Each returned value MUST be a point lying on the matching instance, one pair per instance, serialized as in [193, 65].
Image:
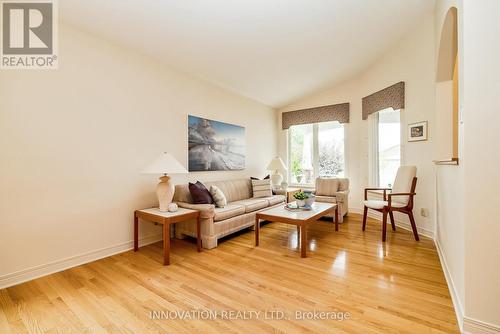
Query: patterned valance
[392, 96]
[334, 112]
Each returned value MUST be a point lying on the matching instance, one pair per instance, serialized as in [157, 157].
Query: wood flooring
[396, 287]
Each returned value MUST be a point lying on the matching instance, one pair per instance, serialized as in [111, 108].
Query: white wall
[450, 188]
[73, 142]
[412, 61]
[481, 147]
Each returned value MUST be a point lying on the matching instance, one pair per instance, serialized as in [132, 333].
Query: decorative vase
[309, 201]
[172, 207]
[301, 203]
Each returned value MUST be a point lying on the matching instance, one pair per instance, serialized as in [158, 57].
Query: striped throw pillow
[218, 196]
[261, 188]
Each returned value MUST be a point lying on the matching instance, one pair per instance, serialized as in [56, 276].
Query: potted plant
[301, 197]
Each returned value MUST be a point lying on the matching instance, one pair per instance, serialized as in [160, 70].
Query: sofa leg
[209, 242]
[179, 235]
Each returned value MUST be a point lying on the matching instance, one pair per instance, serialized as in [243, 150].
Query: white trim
[459, 310]
[473, 326]
[399, 223]
[72, 261]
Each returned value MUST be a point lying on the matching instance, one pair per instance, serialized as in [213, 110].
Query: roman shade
[392, 96]
[334, 112]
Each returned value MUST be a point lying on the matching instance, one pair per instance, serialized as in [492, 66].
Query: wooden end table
[298, 218]
[166, 219]
[288, 193]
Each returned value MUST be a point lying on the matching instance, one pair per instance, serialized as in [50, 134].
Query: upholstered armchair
[400, 199]
[333, 190]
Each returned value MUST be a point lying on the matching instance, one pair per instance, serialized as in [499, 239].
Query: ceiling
[272, 51]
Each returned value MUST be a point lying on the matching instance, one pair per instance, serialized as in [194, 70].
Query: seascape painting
[215, 146]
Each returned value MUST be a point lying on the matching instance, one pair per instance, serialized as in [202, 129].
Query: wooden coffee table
[298, 218]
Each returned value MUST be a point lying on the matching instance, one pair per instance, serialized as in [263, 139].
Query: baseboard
[473, 326]
[404, 225]
[459, 311]
[70, 262]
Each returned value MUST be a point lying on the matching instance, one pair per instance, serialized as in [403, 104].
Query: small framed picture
[417, 131]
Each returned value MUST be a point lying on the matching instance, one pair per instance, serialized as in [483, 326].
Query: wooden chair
[400, 199]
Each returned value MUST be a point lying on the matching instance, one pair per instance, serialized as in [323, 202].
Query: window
[387, 146]
[316, 150]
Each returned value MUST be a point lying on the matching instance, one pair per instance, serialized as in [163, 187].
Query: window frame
[373, 145]
[315, 157]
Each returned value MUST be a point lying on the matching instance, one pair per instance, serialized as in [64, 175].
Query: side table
[288, 192]
[166, 218]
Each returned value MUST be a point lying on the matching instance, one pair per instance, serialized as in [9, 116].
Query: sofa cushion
[326, 199]
[376, 204]
[252, 204]
[275, 199]
[229, 211]
[200, 193]
[234, 190]
[326, 187]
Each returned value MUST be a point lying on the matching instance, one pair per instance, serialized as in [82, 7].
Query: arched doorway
[447, 92]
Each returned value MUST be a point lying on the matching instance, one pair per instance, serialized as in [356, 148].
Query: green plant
[300, 196]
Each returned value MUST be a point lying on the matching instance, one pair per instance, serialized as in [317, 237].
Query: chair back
[330, 186]
[404, 183]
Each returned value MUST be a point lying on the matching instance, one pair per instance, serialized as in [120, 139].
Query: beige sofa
[219, 222]
[333, 190]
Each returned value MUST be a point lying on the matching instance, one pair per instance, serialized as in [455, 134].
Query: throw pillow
[218, 197]
[256, 178]
[261, 188]
[200, 193]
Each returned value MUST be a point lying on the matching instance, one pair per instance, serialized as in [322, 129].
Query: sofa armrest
[206, 210]
[342, 196]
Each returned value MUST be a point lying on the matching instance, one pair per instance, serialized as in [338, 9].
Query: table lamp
[165, 164]
[276, 165]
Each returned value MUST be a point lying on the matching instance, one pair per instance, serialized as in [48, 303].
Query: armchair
[399, 199]
[333, 190]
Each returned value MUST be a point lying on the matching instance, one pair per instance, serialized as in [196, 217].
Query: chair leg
[384, 225]
[365, 213]
[391, 215]
[413, 225]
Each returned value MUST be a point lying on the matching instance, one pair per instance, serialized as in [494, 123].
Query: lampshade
[165, 164]
[276, 164]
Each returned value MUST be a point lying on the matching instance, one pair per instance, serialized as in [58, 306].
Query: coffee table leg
[257, 230]
[166, 244]
[303, 240]
[198, 234]
[298, 235]
[337, 218]
[136, 233]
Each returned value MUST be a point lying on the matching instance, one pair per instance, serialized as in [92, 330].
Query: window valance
[334, 112]
[392, 96]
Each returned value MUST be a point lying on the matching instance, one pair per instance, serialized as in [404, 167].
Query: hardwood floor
[396, 287]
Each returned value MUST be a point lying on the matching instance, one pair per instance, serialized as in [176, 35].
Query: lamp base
[276, 179]
[165, 192]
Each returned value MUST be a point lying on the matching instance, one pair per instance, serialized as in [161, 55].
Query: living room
[288, 113]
